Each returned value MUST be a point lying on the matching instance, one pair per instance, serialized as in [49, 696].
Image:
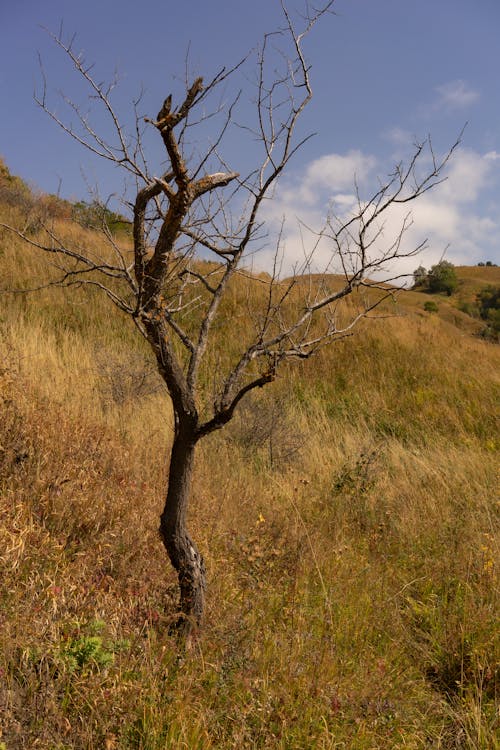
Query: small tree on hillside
[443, 278]
[199, 207]
[420, 277]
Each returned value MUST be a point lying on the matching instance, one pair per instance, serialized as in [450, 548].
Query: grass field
[348, 516]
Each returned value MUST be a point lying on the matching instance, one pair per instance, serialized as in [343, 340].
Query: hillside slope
[348, 516]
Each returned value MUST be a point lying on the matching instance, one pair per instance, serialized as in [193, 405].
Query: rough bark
[182, 551]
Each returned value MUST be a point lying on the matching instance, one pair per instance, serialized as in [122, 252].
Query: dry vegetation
[349, 518]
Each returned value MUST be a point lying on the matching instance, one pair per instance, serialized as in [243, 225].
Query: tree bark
[182, 551]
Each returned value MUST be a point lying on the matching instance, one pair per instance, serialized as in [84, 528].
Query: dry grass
[349, 518]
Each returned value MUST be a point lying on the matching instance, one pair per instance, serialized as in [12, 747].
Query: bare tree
[201, 209]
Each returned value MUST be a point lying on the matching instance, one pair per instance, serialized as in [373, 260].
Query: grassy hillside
[348, 516]
[460, 309]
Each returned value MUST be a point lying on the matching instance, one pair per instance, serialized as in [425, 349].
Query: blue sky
[384, 72]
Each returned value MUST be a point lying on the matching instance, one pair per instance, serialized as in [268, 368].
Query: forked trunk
[182, 551]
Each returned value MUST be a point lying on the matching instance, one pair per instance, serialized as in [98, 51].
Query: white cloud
[345, 201]
[456, 95]
[453, 215]
[335, 172]
[468, 174]
[399, 137]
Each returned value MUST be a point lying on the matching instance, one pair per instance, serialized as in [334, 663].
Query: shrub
[431, 307]
[443, 278]
[420, 277]
[96, 215]
[469, 308]
[488, 300]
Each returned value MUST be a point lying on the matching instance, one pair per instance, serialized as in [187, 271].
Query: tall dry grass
[348, 515]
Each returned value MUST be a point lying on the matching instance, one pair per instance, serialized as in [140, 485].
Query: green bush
[91, 650]
[87, 651]
[420, 277]
[96, 215]
[488, 301]
[431, 307]
[443, 278]
[469, 308]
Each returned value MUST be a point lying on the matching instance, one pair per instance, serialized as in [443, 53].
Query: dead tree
[199, 208]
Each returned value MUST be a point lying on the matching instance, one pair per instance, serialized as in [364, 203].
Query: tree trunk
[182, 551]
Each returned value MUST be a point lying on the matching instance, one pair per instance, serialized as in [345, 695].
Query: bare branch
[200, 207]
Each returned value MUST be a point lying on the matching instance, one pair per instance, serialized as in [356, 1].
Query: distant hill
[460, 308]
[15, 192]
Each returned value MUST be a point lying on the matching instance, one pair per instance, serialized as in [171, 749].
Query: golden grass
[348, 515]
